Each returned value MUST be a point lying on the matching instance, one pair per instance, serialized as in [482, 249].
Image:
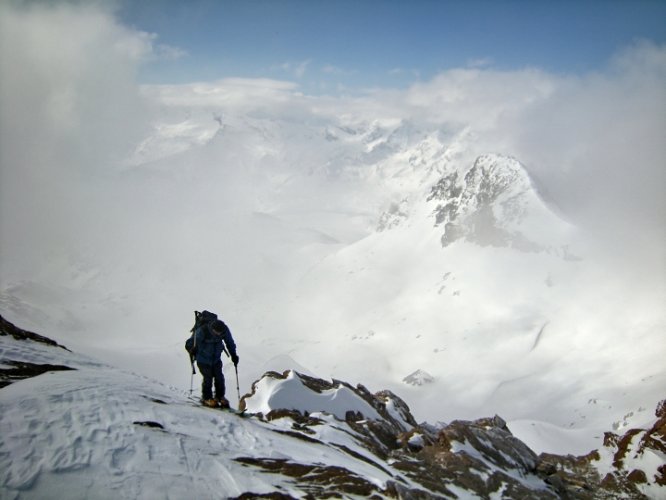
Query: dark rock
[637, 476]
[276, 495]
[7, 328]
[570, 477]
[318, 480]
[149, 423]
[21, 370]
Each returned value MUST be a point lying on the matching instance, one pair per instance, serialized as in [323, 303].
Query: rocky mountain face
[299, 437]
[480, 458]
[493, 204]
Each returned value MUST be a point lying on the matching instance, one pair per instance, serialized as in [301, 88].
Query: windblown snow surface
[99, 432]
[94, 431]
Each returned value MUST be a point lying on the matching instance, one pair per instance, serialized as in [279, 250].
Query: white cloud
[69, 95]
[168, 52]
[296, 69]
[480, 62]
[333, 70]
[596, 143]
[142, 46]
[330, 69]
[232, 92]
[69, 110]
[641, 57]
[415, 73]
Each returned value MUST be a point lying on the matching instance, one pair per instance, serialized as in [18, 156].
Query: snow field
[93, 433]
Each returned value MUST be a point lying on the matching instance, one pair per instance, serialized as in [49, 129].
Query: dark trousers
[212, 373]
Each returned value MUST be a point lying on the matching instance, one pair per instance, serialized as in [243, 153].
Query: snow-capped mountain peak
[419, 377]
[494, 204]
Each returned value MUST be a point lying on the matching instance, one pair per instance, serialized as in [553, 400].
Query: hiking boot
[223, 402]
[210, 403]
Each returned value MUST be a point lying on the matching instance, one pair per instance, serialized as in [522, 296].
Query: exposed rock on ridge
[490, 205]
[305, 437]
[7, 328]
[479, 457]
[15, 370]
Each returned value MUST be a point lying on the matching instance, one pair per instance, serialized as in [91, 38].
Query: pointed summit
[494, 204]
[419, 377]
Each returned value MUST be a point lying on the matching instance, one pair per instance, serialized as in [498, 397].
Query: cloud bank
[72, 113]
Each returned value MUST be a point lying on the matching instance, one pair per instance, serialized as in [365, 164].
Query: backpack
[200, 318]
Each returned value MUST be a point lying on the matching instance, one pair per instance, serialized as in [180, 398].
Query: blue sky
[385, 43]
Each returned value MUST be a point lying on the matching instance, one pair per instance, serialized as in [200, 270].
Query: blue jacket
[210, 345]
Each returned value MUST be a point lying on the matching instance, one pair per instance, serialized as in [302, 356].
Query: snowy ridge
[97, 432]
[297, 392]
[289, 393]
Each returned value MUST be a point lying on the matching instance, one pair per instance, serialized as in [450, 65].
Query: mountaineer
[210, 338]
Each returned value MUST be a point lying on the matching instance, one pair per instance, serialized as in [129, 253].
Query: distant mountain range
[351, 247]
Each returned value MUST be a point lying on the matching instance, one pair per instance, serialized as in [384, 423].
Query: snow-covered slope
[476, 281]
[77, 428]
[97, 432]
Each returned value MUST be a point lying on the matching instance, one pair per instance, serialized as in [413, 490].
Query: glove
[234, 359]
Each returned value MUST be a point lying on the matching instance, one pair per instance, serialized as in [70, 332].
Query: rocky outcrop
[627, 466]
[13, 370]
[7, 328]
[394, 411]
[637, 457]
[488, 205]
[19, 370]
[479, 458]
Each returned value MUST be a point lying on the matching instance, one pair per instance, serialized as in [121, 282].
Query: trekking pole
[237, 388]
[192, 375]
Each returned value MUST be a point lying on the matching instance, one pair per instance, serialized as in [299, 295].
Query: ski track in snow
[538, 336]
